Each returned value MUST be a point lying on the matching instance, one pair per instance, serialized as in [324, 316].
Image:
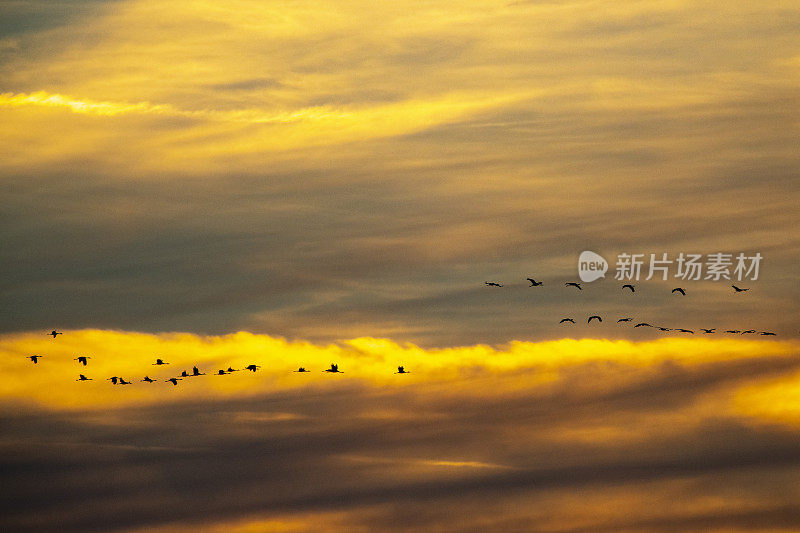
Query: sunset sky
[304, 183]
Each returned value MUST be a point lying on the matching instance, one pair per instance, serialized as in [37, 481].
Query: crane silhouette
[196, 371]
[737, 289]
[402, 370]
[712, 330]
[174, 381]
[221, 372]
[732, 331]
[82, 359]
[680, 290]
[629, 286]
[663, 329]
[81, 377]
[113, 379]
[160, 362]
[594, 316]
[534, 283]
[234, 370]
[148, 379]
[184, 374]
[566, 320]
[493, 284]
[640, 324]
[749, 331]
[252, 368]
[573, 284]
[54, 333]
[301, 369]
[625, 319]
[334, 369]
[685, 330]
[35, 358]
[123, 382]
[767, 333]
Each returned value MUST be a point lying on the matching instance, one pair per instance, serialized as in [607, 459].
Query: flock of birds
[117, 380]
[334, 368]
[632, 288]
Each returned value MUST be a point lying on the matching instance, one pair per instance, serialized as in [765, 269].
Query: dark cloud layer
[397, 460]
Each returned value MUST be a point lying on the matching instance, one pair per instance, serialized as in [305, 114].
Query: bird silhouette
[680, 290]
[160, 362]
[54, 333]
[767, 333]
[184, 374]
[334, 369]
[402, 370]
[732, 331]
[82, 359]
[573, 284]
[221, 372]
[712, 330]
[35, 358]
[301, 369]
[196, 371]
[594, 316]
[81, 377]
[123, 382]
[566, 320]
[685, 330]
[252, 368]
[234, 370]
[534, 283]
[749, 331]
[174, 381]
[625, 319]
[113, 379]
[492, 284]
[663, 329]
[148, 379]
[737, 289]
[640, 324]
[629, 286]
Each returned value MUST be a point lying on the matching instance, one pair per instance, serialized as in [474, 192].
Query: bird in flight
[221, 373]
[160, 362]
[664, 329]
[232, 370]
[301, 369]
[685, 330]
[640, 324]
[737, 289]
[174, 381]
[492, 284]
[184, 374]
[534, 283]
[252, 368]
[113, 380]
[749, 331]
[625, 319]
[767, 333]
[81, 377]
[594, 316]
[732, 331]
[402, 370]
[566, 320]
[148, 379]
[712, 330]
[573, 284]
[196, 371]
[34, 358]
[334, 369]
[54, 333]
[680, 290]
[629, 286]
[123, 382]
[82, 359]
